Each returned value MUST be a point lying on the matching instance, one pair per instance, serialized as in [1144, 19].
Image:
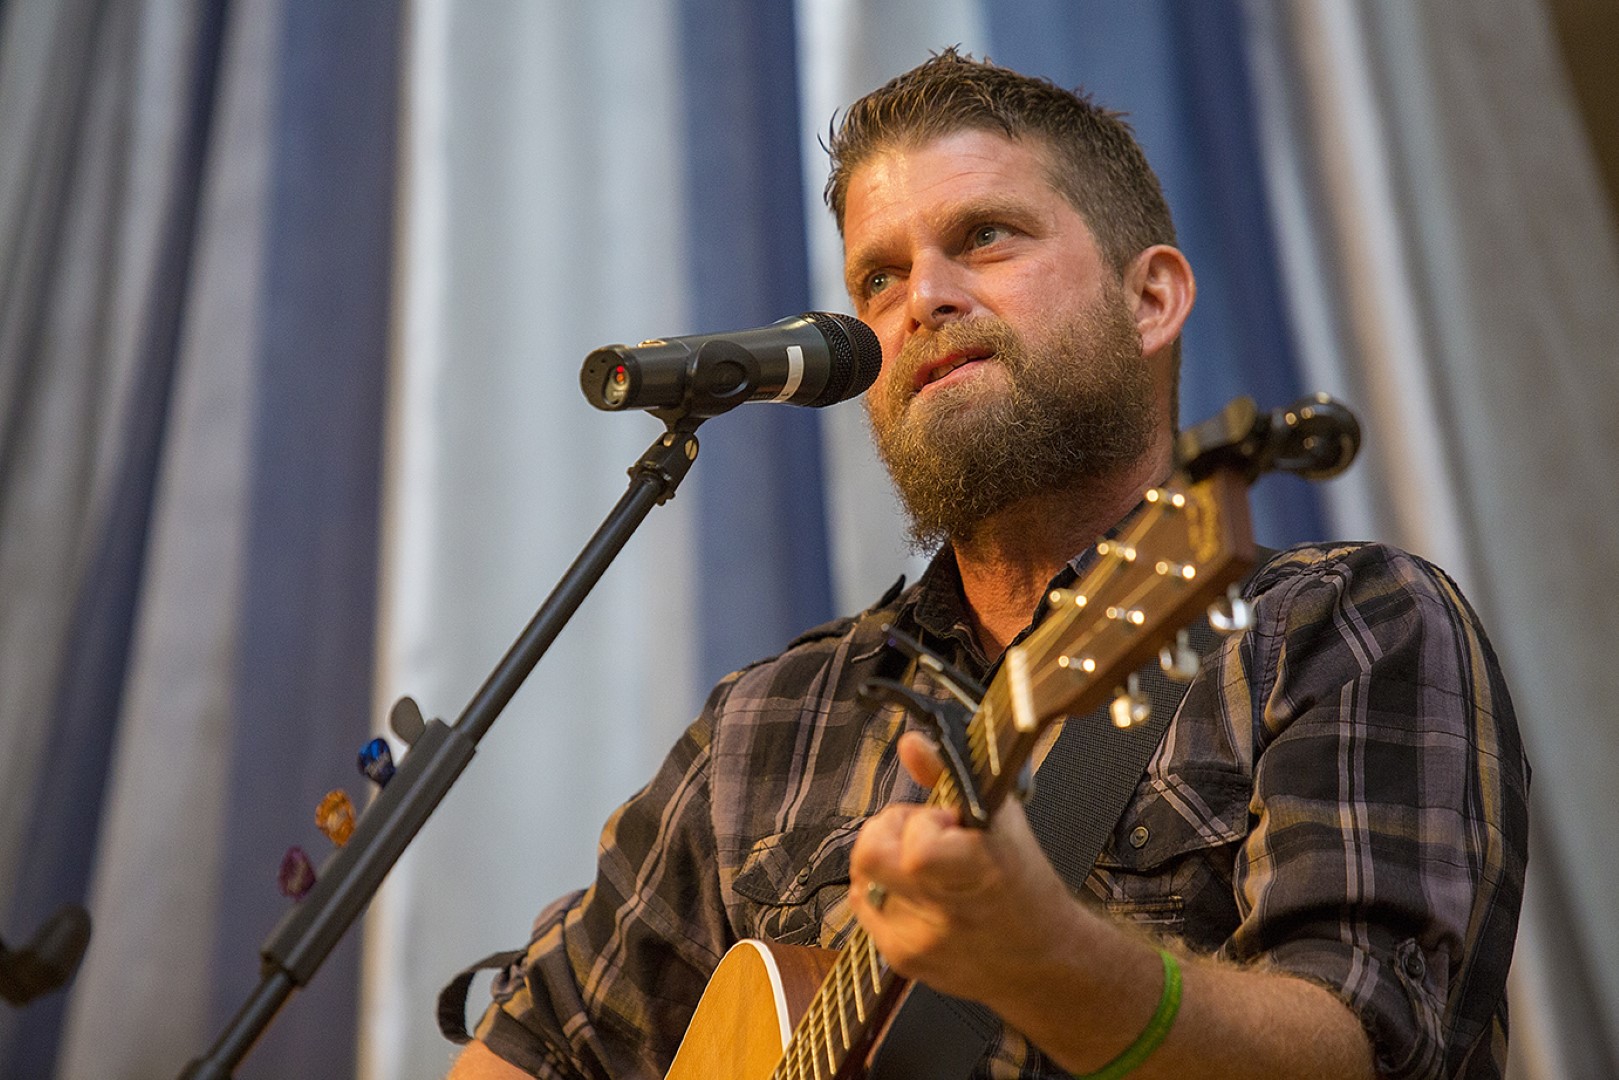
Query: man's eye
[985, 235]
[877, 282]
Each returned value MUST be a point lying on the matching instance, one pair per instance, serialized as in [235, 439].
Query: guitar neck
[842, 1022]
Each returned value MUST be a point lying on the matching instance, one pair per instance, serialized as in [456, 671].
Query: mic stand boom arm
[437, 754]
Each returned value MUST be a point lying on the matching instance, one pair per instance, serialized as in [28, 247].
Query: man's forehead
[963, 140]
[938, 179]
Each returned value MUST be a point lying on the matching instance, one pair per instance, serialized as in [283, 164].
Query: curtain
[1452, 254]
[197, 219]
[539, 221]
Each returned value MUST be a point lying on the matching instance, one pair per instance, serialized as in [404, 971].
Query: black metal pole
[351, 877]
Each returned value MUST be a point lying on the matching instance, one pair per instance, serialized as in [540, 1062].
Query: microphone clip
[1316, 437]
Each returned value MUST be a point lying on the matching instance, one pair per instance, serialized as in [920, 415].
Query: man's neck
[1010, 558]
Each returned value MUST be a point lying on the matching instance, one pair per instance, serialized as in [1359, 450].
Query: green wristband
[1169, 1003]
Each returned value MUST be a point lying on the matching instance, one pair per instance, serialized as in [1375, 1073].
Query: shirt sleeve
[1387, 854]
[612, 974]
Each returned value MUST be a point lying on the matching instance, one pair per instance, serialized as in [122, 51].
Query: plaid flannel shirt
[1341, 797]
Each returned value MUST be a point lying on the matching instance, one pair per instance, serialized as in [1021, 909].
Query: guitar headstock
[1177, 558]
[1181, 554]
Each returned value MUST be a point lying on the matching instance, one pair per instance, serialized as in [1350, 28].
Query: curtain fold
[544, 214]
[65, 289]
[197, 200]
[1456, 259]
[761, 523]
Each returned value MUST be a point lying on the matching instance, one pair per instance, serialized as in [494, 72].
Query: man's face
[1011, 362]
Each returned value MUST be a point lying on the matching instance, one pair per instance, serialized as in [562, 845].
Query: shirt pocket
[793, 886]
[1168, 865]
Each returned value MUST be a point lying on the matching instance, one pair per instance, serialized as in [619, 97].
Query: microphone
[49, 960]
[814, 359]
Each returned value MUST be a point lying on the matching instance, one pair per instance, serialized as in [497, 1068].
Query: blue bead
[377, 761]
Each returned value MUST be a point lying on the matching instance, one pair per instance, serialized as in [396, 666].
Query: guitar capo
[947, 720]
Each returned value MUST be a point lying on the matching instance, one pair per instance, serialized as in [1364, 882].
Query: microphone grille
[856, 355]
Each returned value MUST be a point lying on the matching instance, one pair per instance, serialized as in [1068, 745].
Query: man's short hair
[1095, 161]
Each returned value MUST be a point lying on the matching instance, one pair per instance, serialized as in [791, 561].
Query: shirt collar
[936, 610]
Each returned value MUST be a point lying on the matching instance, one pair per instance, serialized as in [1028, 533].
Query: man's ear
[1160, 288]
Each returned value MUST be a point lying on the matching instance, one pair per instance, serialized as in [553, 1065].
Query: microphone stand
[437, 754]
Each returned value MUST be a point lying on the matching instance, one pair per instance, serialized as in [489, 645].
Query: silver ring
[876, 895]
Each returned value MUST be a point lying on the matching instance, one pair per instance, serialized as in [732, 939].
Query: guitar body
[747, 1013]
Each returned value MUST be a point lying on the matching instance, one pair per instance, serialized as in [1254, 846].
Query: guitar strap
[1080, 792]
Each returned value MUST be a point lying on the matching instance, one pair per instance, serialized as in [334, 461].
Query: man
[1330, 838]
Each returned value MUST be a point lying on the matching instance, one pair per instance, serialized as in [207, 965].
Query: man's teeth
[944, 369]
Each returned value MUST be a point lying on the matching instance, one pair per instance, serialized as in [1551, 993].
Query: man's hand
[967, 910]
[981, 914]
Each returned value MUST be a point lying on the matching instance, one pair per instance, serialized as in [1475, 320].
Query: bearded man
[1319, 872]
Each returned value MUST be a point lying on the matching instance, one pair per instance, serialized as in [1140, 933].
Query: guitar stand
[437, 754]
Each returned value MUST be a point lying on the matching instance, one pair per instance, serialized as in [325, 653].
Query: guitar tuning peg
[1179, 660]
[1130, 707]
[1232, 614]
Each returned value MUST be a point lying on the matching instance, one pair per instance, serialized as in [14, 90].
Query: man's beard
[1071, 411]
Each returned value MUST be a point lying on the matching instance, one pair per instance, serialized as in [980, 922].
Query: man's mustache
[984, 332]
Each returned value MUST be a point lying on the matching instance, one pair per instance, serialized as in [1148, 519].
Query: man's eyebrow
[989, 205]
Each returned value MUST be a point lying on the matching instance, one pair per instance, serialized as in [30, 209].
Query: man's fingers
[921, 758]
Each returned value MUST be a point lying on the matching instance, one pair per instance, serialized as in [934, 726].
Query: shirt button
[1414, 965]
[1139, 836]
[803, 875]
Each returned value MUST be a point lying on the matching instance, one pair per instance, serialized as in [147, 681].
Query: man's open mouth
[932, 373]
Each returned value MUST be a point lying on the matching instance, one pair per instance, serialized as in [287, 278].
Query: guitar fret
[991, 743]
[804, 1054]
[818, 1017]
[808, 1064]
[787, 1068]
[854, 989]
[843, 1014]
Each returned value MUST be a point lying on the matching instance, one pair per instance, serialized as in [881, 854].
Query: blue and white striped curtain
[373, 460]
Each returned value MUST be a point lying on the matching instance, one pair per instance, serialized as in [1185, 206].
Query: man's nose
[939, 292]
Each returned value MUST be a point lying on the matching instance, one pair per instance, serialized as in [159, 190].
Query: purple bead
[377, 761]
[297, 875]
